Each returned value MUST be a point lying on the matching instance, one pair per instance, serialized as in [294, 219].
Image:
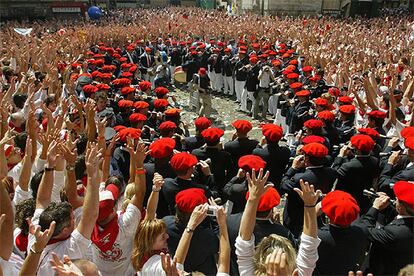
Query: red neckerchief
[105, 239]
[155, 252]
[52, 241]
[17, 129]
[22, 241]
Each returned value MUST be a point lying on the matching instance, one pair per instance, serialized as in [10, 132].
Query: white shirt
[75, 247]
[265, 79]
[9, 268]
[305, 260]
[118, 260]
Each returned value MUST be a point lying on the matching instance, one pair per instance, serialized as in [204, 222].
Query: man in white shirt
[265, 77]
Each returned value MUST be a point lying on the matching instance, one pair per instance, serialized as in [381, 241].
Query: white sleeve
[15, 172]
[8, 268]
[20, 195]
[58, 184]
[245, 256]
[307, 255]
[38, 164]
[130, 219]
[13, 63]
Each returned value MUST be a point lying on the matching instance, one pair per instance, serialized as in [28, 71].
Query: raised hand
[257, 185]
[92, 159]
[141, 153]
[169, 266]
[307, 193]
[42, 238]
[197, 216]
[65, 268]
[158, 181]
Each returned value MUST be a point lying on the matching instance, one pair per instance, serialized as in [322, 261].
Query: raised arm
[256, 188]
[197, 216]
[224, 254]
[140, 178]
[6, 229]
[27, 166]
[152, 204]
[310, 199]
[46, 184]
[91, 202]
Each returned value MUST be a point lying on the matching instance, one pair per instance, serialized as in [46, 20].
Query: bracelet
[70, 167]
[189, 230]
[49, 169]
[35, 252]
[140, 171]
[310, 206]
[155, 189]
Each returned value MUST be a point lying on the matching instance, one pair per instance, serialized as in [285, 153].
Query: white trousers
[228, 85]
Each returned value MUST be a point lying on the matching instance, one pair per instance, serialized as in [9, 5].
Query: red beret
[107, 200]
[334, 91]
[162, 148]
[307, 69]
[188, 199]
[106, 76]
[286, 72]
[126, 65]
[292, 76]
[268, 200]
[340, 207]
[161, 91]
[147, 49]
[345, 100]
[294, 62]
[404, 191]
[167, 126]
[370, 132]
[141, 105]
[127, 90]
[137, 117]
[125, 103]
[90, 89]
[242, 126]
[407, 132]
[126, 74]
[326, 116]
[99, 62]
[315, 150]
[118, 128]
[251, 162]
[313, 139]
[183, 161]
[255, 45]
[291, 68]
[347, 109]
[202, 123]
[202, 71]
[144, 85]
[315, 78]
[272, 132]
[409, 143]
[377, 114]
[134, 133]
[122, 82]
[276, 62]
[296, 85]
[321, 102]
[253, 60]
[96, 74]
[227, 50]
[172, 112]
[103, 86]
[303, 93]
[286, 55]
[160, 104]
[313, 124]
[362, 142]
[212, 134]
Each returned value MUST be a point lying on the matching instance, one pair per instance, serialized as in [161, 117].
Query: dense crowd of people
[99, 174]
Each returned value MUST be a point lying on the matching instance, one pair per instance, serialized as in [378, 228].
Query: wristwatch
[189, 230]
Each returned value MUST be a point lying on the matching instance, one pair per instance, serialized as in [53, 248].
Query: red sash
[105, 239]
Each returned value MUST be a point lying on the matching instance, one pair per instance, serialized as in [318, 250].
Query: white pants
[213, 76]
[273, 104]
[228, 85]
[239, 87]
[219, 82]
[246, 95]
[172, 69]
[194, 100]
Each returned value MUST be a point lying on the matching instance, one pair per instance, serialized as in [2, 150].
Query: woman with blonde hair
[275, 255]
[151, 237]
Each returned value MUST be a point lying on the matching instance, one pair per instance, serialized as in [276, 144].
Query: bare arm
[91, 202]
[310, 199]
[46, 184]
[140, 178]
[6, 229]
[152, 204]
[224, 254]
[26, 166]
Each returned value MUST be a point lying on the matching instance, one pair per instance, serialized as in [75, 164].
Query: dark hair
[24, 210]
[35, 182]
[80, 167]
[316, 161]
[377, 121]
[49, 100]
[410, 211]
[81, 144]
[101, 95]
[19, 100]
[58, 212]
[20, 141]
[181, 218]
[118, 181]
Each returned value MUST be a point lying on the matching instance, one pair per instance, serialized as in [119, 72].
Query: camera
[212, 211]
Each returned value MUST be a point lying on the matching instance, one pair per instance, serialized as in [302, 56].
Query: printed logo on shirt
[113, 255]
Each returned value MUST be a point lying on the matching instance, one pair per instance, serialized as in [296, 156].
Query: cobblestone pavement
[224, 109]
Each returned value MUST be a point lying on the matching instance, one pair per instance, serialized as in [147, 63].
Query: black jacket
[340, 250]
[356, 175]
[298, 115]
[240, 147]
[276, 158]
[193, 142]
[321, 177]
[392, 245]
[390, 175]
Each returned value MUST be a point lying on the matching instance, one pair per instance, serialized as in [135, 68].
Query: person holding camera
[202, 82]
[265, 78]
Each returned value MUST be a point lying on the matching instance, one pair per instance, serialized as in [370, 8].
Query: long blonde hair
[266, 247]
[145, 237]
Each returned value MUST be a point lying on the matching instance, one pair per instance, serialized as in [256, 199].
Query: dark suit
[240, 147]
[346, 130]
[298, 115]
[392, 245]
[204, 246]
[221, 166]
[143, 60]
[191, 67]
[193, 142]
[390, 175]
[340, 250]
[356, 175]
[321, 177]
[263, 228]
[276, 158]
